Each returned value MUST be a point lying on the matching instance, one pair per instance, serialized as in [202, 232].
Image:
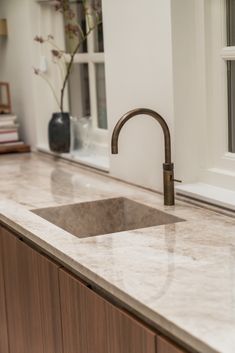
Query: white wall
[16, 63]
[139, 74]
[49, 22]
[31, 99]
[189, 84]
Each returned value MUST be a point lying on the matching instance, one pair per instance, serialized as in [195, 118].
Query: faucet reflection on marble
[168, 166]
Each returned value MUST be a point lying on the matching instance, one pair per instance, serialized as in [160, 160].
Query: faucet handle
[177, 180]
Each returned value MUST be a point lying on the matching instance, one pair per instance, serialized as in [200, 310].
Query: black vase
[59, 133]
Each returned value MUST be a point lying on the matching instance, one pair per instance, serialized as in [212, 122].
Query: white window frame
[91, 58]
[216, 167]
[222, 161]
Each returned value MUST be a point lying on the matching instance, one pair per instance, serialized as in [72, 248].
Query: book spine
[8, 131]
[9, 137]
[12, 143]
[7, 123]
[8, 142]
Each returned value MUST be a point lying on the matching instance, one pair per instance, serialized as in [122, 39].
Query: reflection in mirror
[5, 102]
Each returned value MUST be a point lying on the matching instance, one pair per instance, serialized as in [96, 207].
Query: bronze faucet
[168, 166]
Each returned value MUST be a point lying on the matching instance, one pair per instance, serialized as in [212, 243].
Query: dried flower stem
[51, 87]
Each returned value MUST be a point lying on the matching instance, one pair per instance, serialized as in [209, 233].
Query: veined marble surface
[181, 276]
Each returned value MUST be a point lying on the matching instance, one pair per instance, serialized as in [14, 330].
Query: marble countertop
[180, 276]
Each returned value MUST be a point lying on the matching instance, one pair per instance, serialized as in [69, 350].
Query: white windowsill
[208, 193]
[92, 156]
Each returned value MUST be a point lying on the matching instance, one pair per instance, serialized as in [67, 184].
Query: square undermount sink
[100, 217]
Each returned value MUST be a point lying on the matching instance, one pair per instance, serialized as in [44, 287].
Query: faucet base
[168, 182]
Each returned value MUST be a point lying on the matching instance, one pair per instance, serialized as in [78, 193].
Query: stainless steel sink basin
[104, 216]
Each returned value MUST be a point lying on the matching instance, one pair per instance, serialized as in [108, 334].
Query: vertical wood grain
[37, 298]
[3, 319]
[128, 335]
[164, 346]
[73, 324]
[22, 296]
[48, 279]
[93, 325]
[32, 297]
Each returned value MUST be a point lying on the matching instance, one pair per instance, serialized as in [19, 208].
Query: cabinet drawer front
[92, 325]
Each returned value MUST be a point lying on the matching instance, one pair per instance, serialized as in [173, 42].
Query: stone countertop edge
[57, 242]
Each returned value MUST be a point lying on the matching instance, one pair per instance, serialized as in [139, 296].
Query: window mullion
[90, 42]
[229, 55]
[93, 96]
[86, 57]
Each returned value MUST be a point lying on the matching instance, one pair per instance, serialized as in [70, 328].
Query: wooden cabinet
[3, 318]
[32, 298]
[48, 280]
[45, 309]
[164, 346]
[127, 335]
[83, 317]
[91, 324]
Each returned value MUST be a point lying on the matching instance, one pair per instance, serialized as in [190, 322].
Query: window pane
[231, 107]
[79, 92]
[96, 9]
[231, 22]
[231, 76]
[98, 39]
[101, 96]
[72, 39]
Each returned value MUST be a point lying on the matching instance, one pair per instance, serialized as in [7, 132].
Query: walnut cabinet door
[164, 346]
[32, 298]
[3, 318]
[90, 324]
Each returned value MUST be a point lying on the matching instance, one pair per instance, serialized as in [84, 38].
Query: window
[202, 50]
[231, 75]
[87, 92]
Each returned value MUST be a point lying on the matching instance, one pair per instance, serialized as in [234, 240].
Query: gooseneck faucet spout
[168, 166]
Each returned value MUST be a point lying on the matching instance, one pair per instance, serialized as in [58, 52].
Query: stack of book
[9, 135]
[9, 130]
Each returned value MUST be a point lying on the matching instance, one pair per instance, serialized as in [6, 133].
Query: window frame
[222, 157]
[208, 145]
[91, 58]
[228, 54]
